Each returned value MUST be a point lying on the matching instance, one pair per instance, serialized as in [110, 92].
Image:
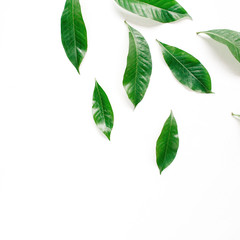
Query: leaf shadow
[223, 53]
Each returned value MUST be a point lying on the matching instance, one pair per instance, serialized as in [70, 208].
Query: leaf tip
[125, 21]
[108, 135]
[134, 106]
[189, 16]
[96, 83]
[77, 68]
[160, 43]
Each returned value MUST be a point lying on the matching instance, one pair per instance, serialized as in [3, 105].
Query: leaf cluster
[188, 70]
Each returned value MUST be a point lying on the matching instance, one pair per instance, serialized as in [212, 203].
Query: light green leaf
[227, 37]
[74, 33]
[139, 67]
[159, 10]
[102, 111]
[187, 69]
[167, 143]
[236, 115]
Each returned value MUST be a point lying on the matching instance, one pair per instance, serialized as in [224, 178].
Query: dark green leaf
[102, 111]
[228, 37]
[159, 10]
[187, 69]
[167, 143]
[139, 67]
[74, 34]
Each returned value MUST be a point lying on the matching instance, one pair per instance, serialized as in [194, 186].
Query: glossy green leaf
[187, 69]
[139, 67]
[236, 115]
[102, 111]
[227, 37]
[74, 33]
[159, 10]
[167, 143]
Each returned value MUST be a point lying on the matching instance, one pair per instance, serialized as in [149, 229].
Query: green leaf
[74, 33]
[139, 67]
[102, 111]
[187, 69]
[159, 10]
[236, 115]
[167, 143]
[227, 37]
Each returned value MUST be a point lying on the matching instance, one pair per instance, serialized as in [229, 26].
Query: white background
[60, 178]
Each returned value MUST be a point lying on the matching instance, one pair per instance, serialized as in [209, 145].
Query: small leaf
[236, 115]
[102, 111]
[74, 33]
[139, 67]
[159, 10]
[167, 143]
[227, 37]
[187, 69]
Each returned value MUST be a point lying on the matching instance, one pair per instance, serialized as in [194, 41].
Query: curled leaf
[159, 10]
[227, 37]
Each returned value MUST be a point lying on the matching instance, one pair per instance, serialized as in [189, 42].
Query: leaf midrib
[136, 70]
[74, 31]
[168, 138]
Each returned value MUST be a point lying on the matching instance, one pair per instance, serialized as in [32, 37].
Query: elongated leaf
[227, 37]
[159, 10]
[139, 67]
[167, 143]
[74, 33]
[187, 69]
[102, 111]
